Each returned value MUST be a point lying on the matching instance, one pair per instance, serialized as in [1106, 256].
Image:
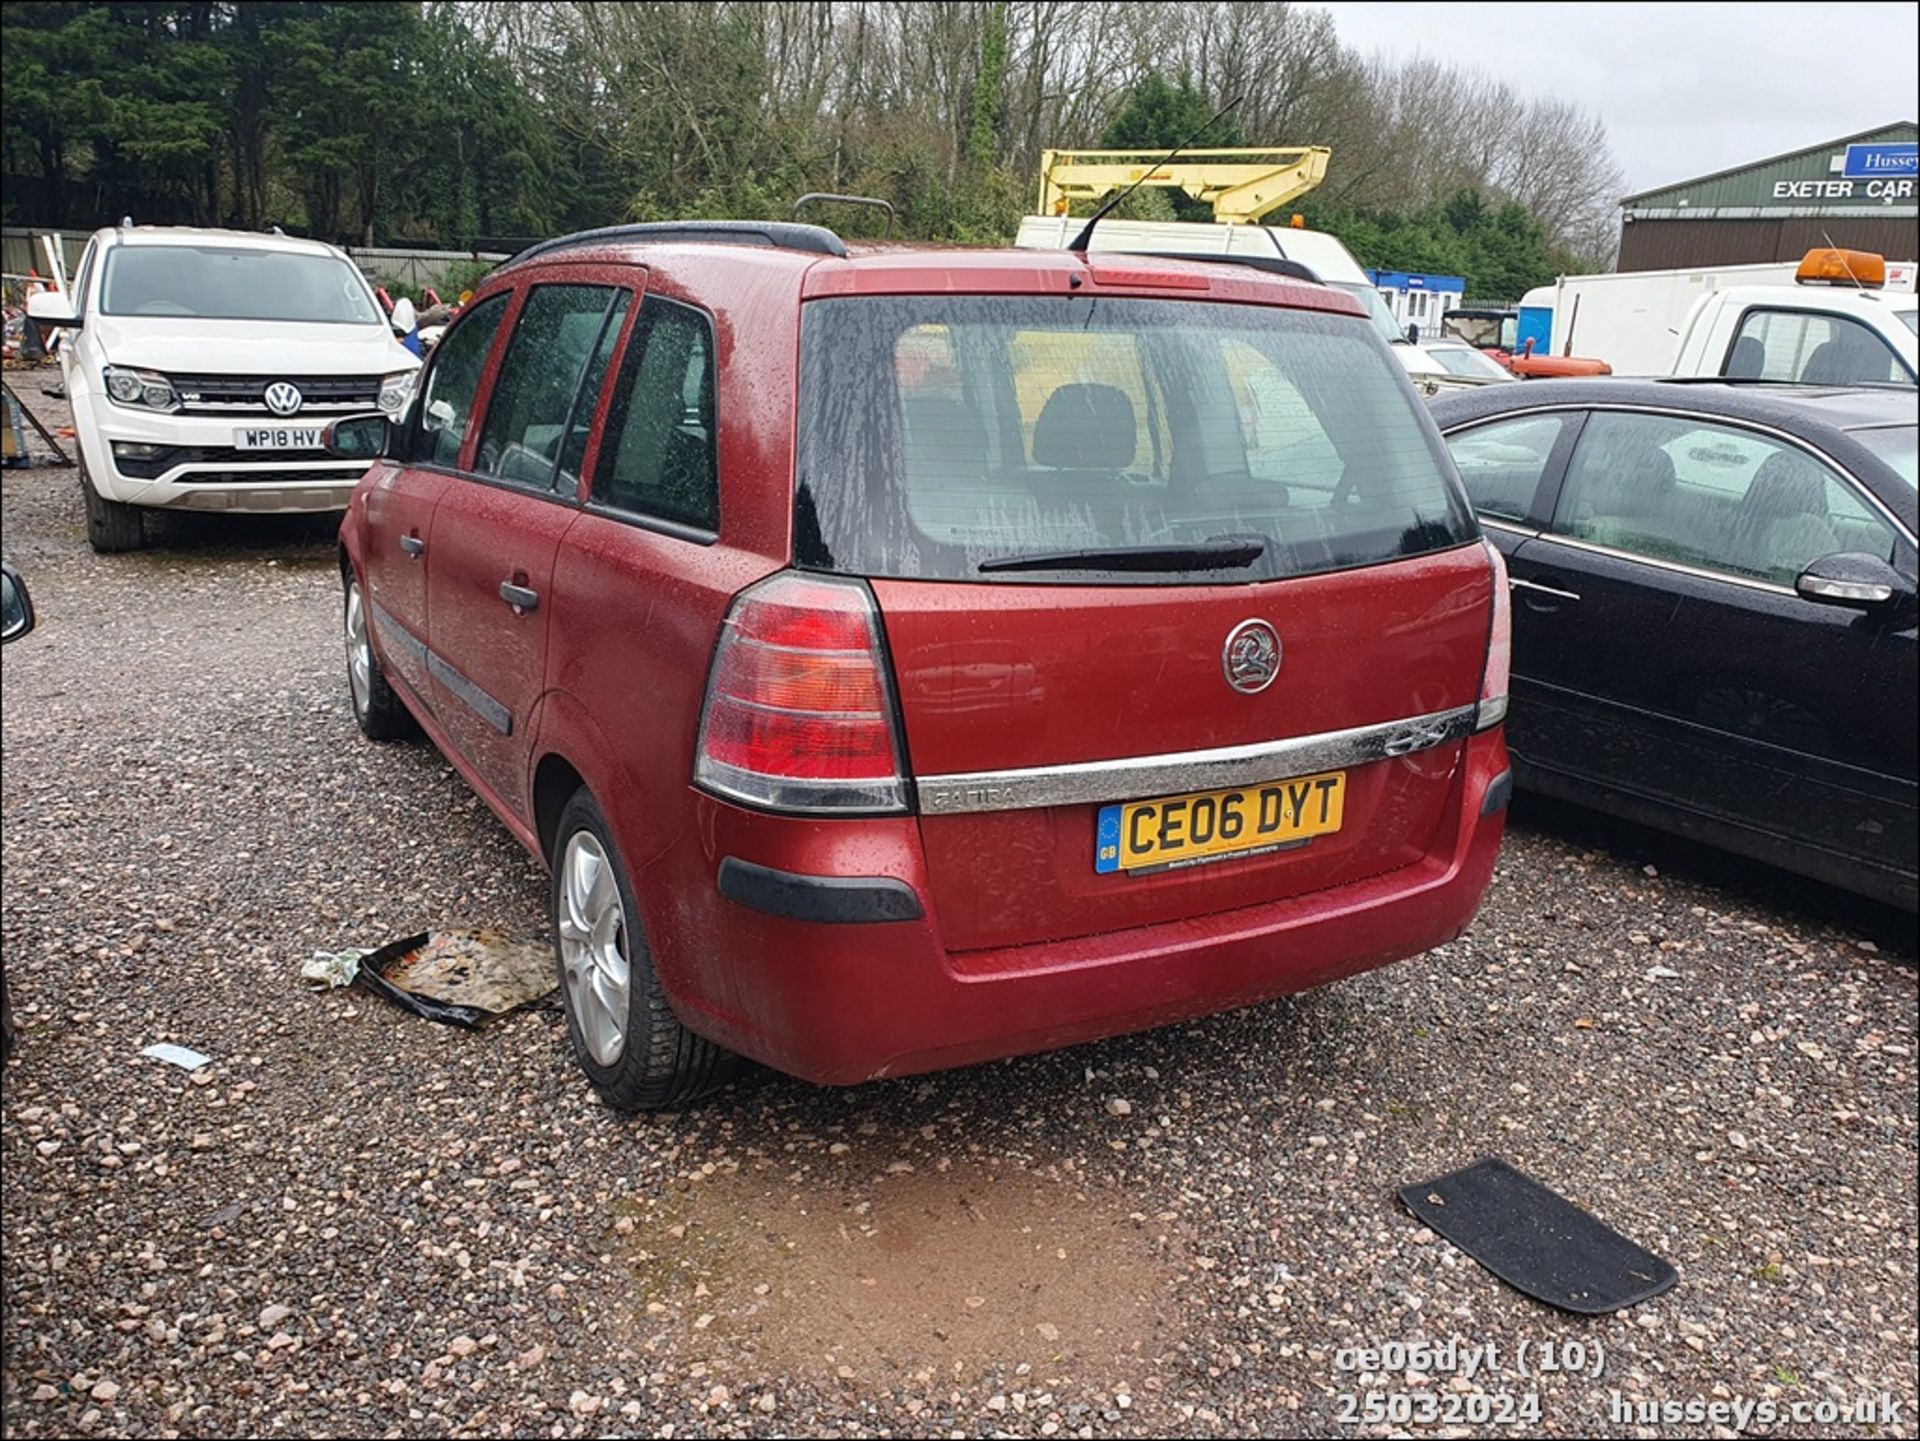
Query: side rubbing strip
[475, 699]
[397, 636]
[1129, 779]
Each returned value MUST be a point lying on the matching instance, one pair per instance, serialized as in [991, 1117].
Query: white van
[1321, 253]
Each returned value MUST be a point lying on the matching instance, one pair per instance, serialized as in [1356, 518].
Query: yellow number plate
[1204, 826]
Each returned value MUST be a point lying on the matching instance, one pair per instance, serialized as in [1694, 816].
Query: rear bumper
[839, 1003]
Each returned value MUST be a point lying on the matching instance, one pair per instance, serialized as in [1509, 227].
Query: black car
[1714, 618]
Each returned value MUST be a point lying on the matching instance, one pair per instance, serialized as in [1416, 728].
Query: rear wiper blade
[1206, 555]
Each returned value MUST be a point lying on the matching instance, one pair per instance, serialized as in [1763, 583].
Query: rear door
[1511, 467]
[1669, 656]
[498, 526]
[399, 502]
[1029, 485]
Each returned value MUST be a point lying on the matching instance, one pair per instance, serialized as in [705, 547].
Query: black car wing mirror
[1853, 578]
[16, 606]
[357, 437]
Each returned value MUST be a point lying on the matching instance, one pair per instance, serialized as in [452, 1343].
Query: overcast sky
[1684, 89]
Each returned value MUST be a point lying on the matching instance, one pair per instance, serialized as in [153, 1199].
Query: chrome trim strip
[1573, 542]
[1136, 777]
[1511, 527]
[1516, 583]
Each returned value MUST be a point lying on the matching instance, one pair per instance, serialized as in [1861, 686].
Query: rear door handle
[522, 598]
[413, 546]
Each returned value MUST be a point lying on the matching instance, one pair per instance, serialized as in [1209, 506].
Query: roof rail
[772, 234]
[1271, 264]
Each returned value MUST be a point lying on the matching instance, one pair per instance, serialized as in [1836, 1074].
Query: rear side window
[1501, 463]
[1810, 349]
[937, 433]
[658, 456]
[453, 378]
[554, 343]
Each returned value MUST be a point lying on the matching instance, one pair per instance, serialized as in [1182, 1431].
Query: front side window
[949, 436]
[1711, 496]
[554, 343]
[1501, 463]
[447, 395]
[215, 282]
[82, 276]
[1807, 348]
[659, 455]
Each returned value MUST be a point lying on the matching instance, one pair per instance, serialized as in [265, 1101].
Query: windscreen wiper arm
[1206, 555]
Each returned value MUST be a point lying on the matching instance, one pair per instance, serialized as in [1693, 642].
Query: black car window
[453, 376]
[1501, 463]
[580, 427]
[553, 345]
[959, 437]
[1811, 349]
[1712, 496]
[659, 455]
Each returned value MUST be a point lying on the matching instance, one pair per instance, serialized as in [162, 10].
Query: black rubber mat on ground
[1536, 1241]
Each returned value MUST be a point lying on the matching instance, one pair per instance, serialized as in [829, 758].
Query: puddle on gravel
[941, 1272]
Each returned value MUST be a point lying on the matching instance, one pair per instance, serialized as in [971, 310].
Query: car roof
[231, 239]
[1791, 406]
[1818, 297]
[898, 268]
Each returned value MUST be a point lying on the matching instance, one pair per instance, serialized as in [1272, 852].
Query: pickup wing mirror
[16, 606]
[49, 307]
[1853, 578]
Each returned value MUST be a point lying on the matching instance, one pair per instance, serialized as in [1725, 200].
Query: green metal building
[1857, 191]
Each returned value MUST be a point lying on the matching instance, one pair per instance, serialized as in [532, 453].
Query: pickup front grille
[246, 394]
[345, 478]
[153, 467]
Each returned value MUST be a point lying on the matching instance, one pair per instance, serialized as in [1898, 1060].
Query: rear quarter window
[936, 433]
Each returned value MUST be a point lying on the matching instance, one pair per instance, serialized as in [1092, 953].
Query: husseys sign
[1884, 173]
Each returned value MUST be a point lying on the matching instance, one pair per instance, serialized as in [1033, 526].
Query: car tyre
[636, 1053]
[112, 525]
[381, 715]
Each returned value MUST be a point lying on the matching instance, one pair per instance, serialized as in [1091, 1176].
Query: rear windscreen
[938, 434]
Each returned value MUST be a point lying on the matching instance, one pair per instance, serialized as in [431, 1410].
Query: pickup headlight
[146, 389]
[394, 391]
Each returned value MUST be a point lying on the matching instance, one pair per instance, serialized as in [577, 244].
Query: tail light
[798, 714]
[1498, 674]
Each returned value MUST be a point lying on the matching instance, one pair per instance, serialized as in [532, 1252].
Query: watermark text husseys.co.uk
[1740, 1413]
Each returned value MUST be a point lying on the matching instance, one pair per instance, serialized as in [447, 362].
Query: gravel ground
[354, 1222]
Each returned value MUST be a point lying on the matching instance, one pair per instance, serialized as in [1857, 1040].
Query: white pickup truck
[1839, 318]
[1815, 335]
